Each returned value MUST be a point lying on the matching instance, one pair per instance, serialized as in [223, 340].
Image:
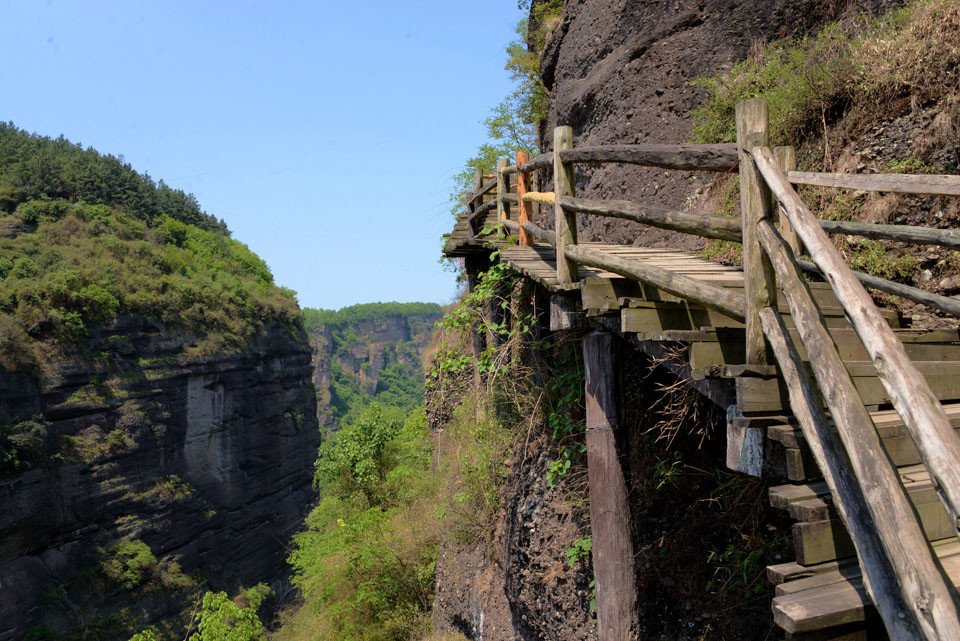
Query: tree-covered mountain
[158, 421]
[369, 353]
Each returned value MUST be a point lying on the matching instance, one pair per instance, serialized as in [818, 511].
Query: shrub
[128, 563]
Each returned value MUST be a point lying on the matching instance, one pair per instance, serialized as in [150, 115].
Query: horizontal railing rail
[906, 579]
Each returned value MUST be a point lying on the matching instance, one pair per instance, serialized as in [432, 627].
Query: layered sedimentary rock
[206, 462]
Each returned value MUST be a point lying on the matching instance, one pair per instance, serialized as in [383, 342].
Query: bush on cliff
[84, 239]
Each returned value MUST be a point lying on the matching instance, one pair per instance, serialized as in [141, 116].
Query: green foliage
[472, 316]
[667, 473]
[95, 240]
[128, 563]
[39, 176]
[742, 567]
[512, 124]
[354, 314]
[873, 257]
[22, 445]
[907, 52]
[366, 563]
[221, 619]
[579, 550]
[94, 263]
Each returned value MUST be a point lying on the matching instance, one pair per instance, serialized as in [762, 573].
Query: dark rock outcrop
[620, 72]
[370, 346]
[206, 462]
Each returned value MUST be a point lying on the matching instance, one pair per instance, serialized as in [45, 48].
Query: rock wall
[362, 350]
[208, 463]
[619, 71]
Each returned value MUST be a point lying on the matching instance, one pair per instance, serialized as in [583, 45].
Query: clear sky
[324, 133]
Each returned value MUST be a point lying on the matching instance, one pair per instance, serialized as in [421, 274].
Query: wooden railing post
[787, 158]
[609, 510]
[503, 187]
[758, 279]
[473, 204]
[524, 208]
[565, 222]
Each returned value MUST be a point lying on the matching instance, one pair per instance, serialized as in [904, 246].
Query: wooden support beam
[565, 221]
[695, 290]
[525, 209]
[917, 576]
[609, 510]
[911, 396]
[503, 187]
[759, 282]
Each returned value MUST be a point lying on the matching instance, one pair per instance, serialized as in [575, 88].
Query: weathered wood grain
[564, 184]
[899, 183]
[525, 208]
[542, 197]
[722, 157]
[787, 158]
[918, 577]
[609, 510]
[695, 290]
[722, 227]
[760, 286]
[843, 482]
[943, 303]
[543, 161]
[503, 187]
[902, 233]
[911, 396]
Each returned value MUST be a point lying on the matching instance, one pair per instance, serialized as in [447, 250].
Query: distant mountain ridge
[368, 353]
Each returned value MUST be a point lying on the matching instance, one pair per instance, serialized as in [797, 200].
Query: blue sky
[324, 133]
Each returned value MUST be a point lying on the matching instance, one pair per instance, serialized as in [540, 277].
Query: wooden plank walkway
[821, 595]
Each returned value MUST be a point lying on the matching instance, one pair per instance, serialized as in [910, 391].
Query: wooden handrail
[848, 497]
[917, 295]
[721, 157]
[898, 183]
[543, 161]
[482, 209]
[542, 197]
[508, 170]
[722, 227]
[902, 233]
[929, 598]
[481, 191]
[909, 392]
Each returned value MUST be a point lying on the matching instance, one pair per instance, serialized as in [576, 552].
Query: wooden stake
[525, 208]
[927, 591]
[609, 510]
[848, 498]
[565, 221]
[503, 187]
[787, 159]
[759, 283]
[909, 392]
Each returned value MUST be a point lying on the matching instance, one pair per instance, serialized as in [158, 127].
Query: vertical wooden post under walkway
[755, 203]
[609, 511]
[524, 209]
[565, 223]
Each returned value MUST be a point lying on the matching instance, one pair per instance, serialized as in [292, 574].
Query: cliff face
[359, 351]
[207, 463]
[620, 72]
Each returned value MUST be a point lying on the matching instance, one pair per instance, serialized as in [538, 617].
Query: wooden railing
[907, 583]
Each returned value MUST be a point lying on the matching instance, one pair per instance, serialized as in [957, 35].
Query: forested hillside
[369, 353]
[155, 381]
